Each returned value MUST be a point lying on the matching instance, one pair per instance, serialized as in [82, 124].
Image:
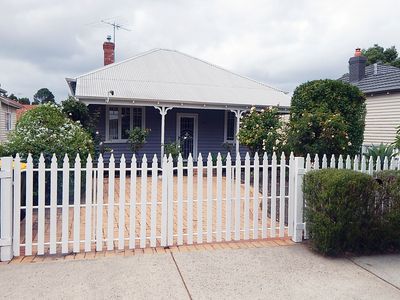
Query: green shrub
[137, 138]
[77, 111]
[261, 131]
[47, 130]
[381, 151]
[173, 148]
[388, 200]
[339, 210]
[351, 211]
[327, 117]
[396, 142]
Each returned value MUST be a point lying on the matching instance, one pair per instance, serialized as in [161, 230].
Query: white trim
[8, 119]
[195, 133]
[116, 101]
[163, 112]
[226, 129]
[107, 121]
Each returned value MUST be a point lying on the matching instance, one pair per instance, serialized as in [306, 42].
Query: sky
[282, 43]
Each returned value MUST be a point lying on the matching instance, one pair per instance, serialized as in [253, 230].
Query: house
[8, 116]
[381, 86]
[177, 96]
[24, 108]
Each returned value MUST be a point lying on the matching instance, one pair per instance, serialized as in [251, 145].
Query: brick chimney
[357, 65]
[108, 48]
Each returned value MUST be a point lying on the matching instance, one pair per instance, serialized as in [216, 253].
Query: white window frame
[226, 129]
[120, 140]
[8, 121]
[195, 133]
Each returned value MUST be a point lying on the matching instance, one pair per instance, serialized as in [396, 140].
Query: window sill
[115, 141]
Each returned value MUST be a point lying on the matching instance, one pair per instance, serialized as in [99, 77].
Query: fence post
[6, 209]
[298, 200]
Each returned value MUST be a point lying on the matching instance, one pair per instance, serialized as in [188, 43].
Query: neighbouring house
[381, 86]
[8, 115]
[178, 97]
[24, 108]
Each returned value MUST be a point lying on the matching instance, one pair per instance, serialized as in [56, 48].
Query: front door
[187, 134]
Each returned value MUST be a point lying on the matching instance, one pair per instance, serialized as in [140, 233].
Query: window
[119, 120]
[230, 126]
[8, 121]
[125, 122]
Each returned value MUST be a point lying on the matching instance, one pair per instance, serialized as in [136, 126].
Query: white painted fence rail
[74, 205]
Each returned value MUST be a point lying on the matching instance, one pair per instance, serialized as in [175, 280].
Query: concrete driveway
[257, 273]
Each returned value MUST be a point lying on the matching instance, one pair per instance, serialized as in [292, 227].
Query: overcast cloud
[282, 43]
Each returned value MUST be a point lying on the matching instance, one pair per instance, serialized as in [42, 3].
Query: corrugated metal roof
[386, 78]
[169, 75]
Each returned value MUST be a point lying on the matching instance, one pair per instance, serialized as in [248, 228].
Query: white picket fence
[143, 205]
[364, 164]
[97, 206]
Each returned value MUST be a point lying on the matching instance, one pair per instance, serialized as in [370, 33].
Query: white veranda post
[238, 114]
[163, 112]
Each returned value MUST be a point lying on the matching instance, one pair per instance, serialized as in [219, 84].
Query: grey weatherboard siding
[210, 131]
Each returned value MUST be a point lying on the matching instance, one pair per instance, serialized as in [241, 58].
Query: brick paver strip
[276, 242]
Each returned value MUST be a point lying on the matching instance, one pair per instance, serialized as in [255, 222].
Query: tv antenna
[115, 26]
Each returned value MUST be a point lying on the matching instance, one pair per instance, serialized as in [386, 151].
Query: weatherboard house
[381, 86]
[178, 97]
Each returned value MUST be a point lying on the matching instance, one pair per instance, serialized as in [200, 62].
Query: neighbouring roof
[172, 76]
[24, 109]
[10, 102]
[378, 78]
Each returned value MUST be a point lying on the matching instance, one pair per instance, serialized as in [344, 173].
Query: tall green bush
[78, 111]
[47, 130]
[327, 117]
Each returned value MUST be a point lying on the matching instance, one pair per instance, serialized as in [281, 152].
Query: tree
[77, 111]
[43, 96]
[327, 117]
[24, 100]
[13, 97]
[261, 131]
[377, 53]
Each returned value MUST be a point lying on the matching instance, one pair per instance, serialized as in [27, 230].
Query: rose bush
[261, 131]
[327, 117]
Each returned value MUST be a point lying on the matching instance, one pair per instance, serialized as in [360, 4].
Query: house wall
[383, 116]
[210, 130]
[3, 110]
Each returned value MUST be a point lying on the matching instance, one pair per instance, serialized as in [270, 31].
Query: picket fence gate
[96, 206]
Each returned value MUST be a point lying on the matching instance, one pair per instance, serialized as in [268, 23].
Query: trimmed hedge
[389, 209]
[348, 211]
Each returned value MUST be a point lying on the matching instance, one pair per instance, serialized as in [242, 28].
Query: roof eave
[172, 103]
[69, 81]
[10, 103]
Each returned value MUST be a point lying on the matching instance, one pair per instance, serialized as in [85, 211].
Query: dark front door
[187, 134]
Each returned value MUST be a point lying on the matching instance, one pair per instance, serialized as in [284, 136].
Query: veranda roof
[170, 76]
